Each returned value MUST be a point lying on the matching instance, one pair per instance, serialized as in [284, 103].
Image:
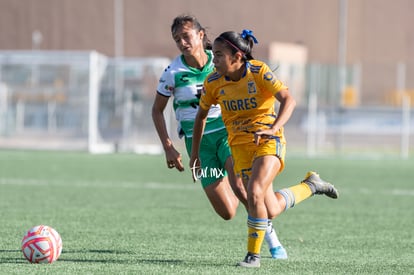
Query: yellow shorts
[245, 154]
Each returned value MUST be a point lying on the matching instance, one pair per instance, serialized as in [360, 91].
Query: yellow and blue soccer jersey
[247, 105]
[185, 84]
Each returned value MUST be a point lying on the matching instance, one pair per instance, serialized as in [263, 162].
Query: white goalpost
[50, 100]
[97, 65]
[77, 100]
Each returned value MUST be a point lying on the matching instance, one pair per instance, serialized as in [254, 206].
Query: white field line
[157, 185]
[401, 192]
[100, 184]
[393, 191]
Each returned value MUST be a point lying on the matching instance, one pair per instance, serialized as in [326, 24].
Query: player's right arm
[172, 156]
[199, 125]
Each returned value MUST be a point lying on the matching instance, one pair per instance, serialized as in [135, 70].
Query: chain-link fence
[362, 109]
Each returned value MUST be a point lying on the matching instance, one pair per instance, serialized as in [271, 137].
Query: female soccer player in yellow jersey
[183, 80]
[247, 90]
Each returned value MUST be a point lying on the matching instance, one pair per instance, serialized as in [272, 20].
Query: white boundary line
[167, 186]
[100, 184]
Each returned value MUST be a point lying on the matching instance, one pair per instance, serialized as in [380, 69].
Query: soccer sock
[295, 194]
[256, 229]
[271, 236]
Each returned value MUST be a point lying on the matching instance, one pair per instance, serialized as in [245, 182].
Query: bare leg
[236, 183]
[222, 198]
[264, 170]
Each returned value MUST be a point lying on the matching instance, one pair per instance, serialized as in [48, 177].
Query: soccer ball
[42, 244]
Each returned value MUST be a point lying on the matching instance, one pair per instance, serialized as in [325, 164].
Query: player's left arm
[287, 105]
[281, 93]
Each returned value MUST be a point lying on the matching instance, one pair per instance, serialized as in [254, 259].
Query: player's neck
[237, 74]
[197, 60]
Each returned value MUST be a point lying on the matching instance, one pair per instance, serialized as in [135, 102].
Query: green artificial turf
[129, 214]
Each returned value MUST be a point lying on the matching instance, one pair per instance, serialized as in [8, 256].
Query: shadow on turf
[101, 251]
[108, 251]
[12, 260]
[22, 260]
[104, 251]
[121, 261]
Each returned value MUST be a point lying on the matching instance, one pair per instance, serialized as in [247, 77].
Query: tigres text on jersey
[247, 105]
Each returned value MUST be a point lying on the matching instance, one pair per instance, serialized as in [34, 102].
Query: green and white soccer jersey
[185, 84]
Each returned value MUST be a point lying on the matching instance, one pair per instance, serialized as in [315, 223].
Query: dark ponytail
[239, 42]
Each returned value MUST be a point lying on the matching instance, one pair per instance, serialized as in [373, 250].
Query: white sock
[270, 236]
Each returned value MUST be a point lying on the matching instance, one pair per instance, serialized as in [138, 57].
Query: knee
[276, 205]
[255, 192]
[274, 211]
[227, 215]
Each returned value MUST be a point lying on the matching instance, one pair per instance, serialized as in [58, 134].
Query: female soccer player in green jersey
[247, 90]
[183, 80]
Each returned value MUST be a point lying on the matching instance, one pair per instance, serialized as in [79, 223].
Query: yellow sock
[301, 192]
[256, 229]
[295, 194]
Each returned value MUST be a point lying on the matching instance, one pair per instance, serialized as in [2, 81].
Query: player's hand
[262, 134]
[195, 166]
[174, 159]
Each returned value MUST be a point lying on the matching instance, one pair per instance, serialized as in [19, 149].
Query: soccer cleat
[278, 252]
[251, 260]
[319, 186]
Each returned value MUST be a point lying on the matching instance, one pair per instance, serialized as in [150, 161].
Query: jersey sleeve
[207, 96]
[166, 83]
[270, 82]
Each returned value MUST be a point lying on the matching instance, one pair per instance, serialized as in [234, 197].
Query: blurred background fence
[65, 100]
